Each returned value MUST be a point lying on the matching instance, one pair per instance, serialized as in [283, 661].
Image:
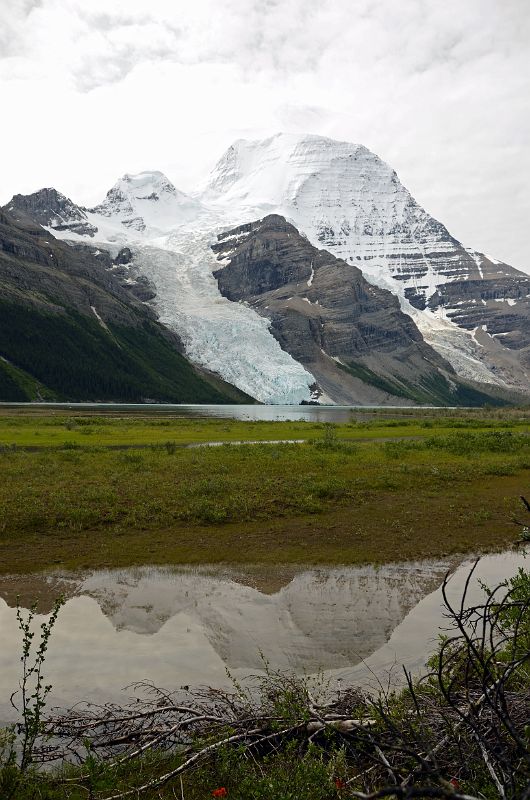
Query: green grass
[434, 389]
[287, 776]
[19, 386]
[350, 494]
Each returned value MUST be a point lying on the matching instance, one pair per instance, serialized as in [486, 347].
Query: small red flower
[454, 783]
[340, 783]
[220, 792]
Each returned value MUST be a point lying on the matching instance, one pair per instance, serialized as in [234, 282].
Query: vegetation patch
[434, 389]
[75, 358]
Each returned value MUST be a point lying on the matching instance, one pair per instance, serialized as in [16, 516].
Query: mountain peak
[273, 171]
[147, 200]
[289, 141]
[148, 181]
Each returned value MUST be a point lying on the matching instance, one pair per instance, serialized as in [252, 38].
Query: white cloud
[440, 90]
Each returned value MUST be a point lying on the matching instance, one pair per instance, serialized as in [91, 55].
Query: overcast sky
[440, 89]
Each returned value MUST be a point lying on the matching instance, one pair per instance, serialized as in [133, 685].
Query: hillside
[70, 330]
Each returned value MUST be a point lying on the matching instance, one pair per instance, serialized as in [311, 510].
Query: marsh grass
[328, 500]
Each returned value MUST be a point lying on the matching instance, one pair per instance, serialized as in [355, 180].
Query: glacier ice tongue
[225, 337]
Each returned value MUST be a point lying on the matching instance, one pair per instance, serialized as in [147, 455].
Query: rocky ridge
[50, 208]
[57, 213]
[69, 329]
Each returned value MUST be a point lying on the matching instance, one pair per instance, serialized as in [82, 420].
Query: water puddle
[187, 626]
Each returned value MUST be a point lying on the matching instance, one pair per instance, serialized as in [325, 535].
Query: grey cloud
[106, 21]
[13, 14]
[255, 35]
[118, 61]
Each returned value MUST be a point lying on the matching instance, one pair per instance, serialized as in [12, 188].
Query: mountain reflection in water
[179, 626]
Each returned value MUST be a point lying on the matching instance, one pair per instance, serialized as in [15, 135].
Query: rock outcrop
[50, 208]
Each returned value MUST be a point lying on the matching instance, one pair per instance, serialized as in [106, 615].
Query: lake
[188, 626]
[307, 413]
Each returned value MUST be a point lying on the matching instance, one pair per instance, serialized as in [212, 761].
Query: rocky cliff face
[39, 269]
[495, 311]
[499, 306]
[56, 212]
[352, 336]
[50, 208]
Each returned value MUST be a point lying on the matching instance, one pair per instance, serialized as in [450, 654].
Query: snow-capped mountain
[349, 201]
[346, 199]
[473, 310]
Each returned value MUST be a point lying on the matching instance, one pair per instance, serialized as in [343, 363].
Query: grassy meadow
[44, 427]
[86, 490]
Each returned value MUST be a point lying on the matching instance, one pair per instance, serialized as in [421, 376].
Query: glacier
[228, 338]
